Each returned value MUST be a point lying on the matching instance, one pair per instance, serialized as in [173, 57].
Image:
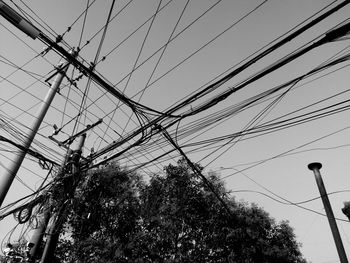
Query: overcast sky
[302, 123]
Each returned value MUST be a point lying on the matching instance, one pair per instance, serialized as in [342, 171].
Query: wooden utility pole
[315, 167]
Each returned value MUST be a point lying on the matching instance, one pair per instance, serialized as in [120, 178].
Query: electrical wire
[278, 44]
[87, 87]
[198, 172]
[135, 63]
[146, 134]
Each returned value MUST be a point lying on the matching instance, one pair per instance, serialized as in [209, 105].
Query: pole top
[315, 165]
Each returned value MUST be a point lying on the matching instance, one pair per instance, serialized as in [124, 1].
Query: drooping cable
[197, 171]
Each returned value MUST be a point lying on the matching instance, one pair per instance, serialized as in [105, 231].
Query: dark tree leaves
[115, 217]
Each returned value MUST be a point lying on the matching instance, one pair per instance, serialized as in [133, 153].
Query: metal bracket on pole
[68, 141]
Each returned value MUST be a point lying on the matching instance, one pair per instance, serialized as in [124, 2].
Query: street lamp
[18, 21]
[346, 209]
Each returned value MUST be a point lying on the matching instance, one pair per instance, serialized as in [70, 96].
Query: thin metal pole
[315, 167]
[10, 174]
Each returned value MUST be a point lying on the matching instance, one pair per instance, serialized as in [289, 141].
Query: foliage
[103, 218]
[115, 217]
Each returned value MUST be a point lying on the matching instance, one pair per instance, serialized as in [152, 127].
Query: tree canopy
[175, 217]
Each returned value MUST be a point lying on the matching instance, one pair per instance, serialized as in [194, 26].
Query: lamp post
[315, 167]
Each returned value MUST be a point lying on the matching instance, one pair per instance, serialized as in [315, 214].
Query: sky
[259, 143]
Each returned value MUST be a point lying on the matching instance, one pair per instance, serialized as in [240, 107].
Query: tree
[173, 218]
[103, 217]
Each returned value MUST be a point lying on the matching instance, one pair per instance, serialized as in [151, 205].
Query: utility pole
[315, 167]
[28, 28]
[43, 219]
[69, 177]
[39, 232]
[10, 174]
